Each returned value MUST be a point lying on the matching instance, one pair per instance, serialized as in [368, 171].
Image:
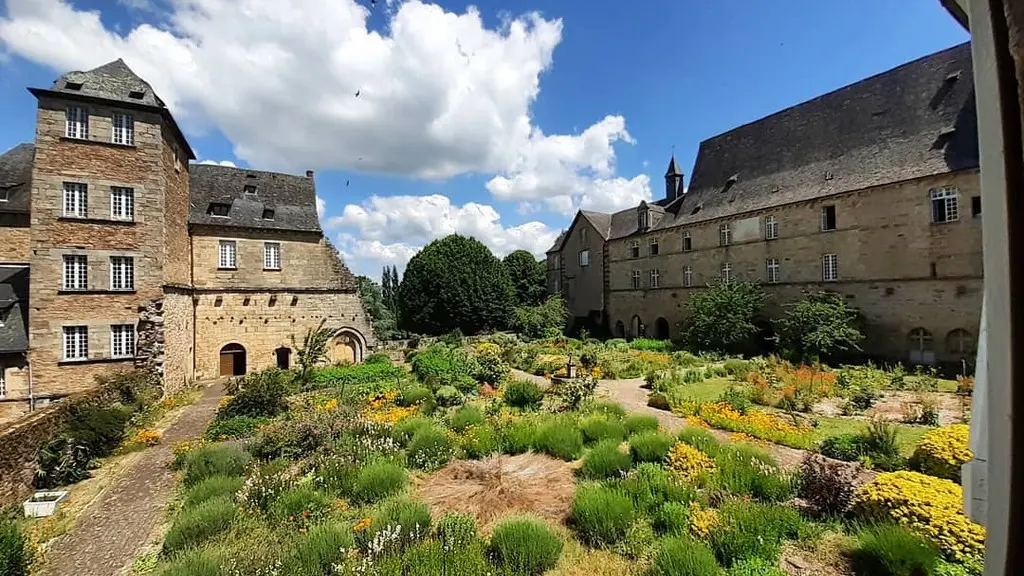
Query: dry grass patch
[578, 560]
[501, 485]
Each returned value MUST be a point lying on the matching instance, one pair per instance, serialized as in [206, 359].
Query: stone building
[116, 252]
[870, 191]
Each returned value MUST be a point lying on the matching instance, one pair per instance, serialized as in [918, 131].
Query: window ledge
[96, 220]
[227, 269]
[91, 291]
[76, 361]
[98, 143]
[271, 269]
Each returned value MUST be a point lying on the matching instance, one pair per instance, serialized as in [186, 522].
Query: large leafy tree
[389, 289]
[721, 317]
[529, 278]
[821, 326]
[541, 321]
[455, 282]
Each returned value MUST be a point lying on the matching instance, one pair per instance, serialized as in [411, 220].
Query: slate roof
[916, 120]
[16, 178]
[13, 309]
[292, 198]
[113, 81]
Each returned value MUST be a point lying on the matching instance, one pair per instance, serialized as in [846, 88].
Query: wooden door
[227, 364]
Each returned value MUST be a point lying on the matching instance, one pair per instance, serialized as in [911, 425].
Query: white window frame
[829, 267]
[271, 255]
[727, 272]
[771, 266]
[227, 255]
[75, 272]
[122, 273]
[122, 203]
[945, 204]
[75, 343]
[655, 278]
[653, 248]
[122, 341]
[76, 122]
[3, 381]
[584, 258]
[686, 236]
[76, 200]
[644, 221]
[687, 276]
[724, 234]
[634, 249]
[122, 129]
[635, 279]
[771, 227]
[823, 225]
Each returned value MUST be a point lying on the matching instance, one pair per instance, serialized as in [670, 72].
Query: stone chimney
[309, 173]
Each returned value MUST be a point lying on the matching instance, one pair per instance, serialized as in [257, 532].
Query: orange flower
[362, 525]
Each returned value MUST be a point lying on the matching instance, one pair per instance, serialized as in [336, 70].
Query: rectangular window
[584, 257]
[76, 123]
[122, 203]
[122, 273]
[583, 235]
[228, 255]
[653, 247]
[655, 278]
[634, 249]
[271, 256]
[975, 206]
[829, 267]
[76, 196]
[76, 342]
[727, 272]
[558, 285]
[3, 382]
[687, 276]
[828, 218]
[687, 241]
[554, 261]
[4, 195]
[945, 205]
[76, 272]
[123, 129]
[636, 279]
[122, 341]
[772, 270]
[771, 228]
[724, 235]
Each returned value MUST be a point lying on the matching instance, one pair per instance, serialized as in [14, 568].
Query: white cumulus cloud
[227, 163]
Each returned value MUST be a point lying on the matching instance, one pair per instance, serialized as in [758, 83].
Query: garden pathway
[110, 532]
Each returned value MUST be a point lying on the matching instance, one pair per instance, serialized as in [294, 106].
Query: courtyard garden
[450, 464]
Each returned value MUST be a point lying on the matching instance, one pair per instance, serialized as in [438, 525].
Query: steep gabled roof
[292, 199]
[13, 309]
[916, 120]
[16, 178]
[601, 222]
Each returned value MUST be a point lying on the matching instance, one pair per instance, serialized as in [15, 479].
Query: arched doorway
[635, 326]
[661, 329]
[767, 339]
[284, 357]
[921, 347]
[232, 360]
[347, 347]
[620, 329]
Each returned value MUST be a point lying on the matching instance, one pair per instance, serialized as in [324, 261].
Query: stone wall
[179, 346]
[177, 267]
[16, 402]
[583, 285]
[15, 239]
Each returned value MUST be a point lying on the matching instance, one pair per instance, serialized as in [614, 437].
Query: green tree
[721, 317]
[313, 350]
[381, 318]
[454, 282]
[544, 320]
[820, 326]
[529, 277]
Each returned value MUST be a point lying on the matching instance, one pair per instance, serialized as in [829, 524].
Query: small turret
[673, 180]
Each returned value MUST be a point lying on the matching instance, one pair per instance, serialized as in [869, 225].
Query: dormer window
[644, 219]
[249, 189]
[268, 214]
[76, 86]
[218, 209]
[136, 95]
[5, 196]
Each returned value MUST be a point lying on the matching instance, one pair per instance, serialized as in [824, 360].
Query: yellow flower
[147, 438]
[941, 452]
[224, 402]
[702, 520]
[689, 462]
[362, 525]
[329, 406]
[596, 372]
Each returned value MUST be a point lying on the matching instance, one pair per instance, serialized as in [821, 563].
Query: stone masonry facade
[125, 241]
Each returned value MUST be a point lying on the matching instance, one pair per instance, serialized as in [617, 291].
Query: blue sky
[497, 121]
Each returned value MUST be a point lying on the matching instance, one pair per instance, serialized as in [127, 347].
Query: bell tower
[673, 180]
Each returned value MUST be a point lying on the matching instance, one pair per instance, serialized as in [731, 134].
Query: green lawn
[831, 426]
[708, 390]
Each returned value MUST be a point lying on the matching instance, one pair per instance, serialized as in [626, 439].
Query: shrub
[378, 480]
[576, 392]
[748, 530]
[215, 460]
[684, 557]
[931, 506]
[597, 427]
[688, 461]
[404, 430]
[820, 325]
[673, 519]
[414, 396]
[721, 317]
[941, 452]
[264, 485]
[892, 550]
[845, 447]
[237, 427]
[755, 567]
[636, 423]
[301, 505]
[747, 471]
[202, 562]
[650, 485]
[522, 394]
[319, 550]
[700, 439]
[608, 408]
[490, 367]
[605, 460]
[559, 438]
[479, 441]
[89, 432]
[518, 436]
[650, 446]
[737, 399]
[440, 366]
[525, 546]
[15, 554]
[826, 485]
[456, 531]
[601, 515]
[432, 558]
[193, 526]
[448, 396]
[212, 487]
[378, 358]
[398, 524]
[738, 368]
[357, 376]
[881, 445]
[334, 475]
[429, 449]
[659, 400]
[259, 394]
[542, 320]
[465, 417]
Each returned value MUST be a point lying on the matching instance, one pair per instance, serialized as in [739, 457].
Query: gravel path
[107, 536]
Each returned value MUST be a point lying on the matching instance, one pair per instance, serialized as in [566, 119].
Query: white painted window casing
[122, 203]
[76, 200]
[76, 123]
[122, 341]
[123, 129]
[76, 272]
[228, 257]
[122, 273]
[76, 343]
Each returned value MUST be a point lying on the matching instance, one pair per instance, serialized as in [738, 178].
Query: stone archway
[347, 347]
[661, 329]
[233, 360]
